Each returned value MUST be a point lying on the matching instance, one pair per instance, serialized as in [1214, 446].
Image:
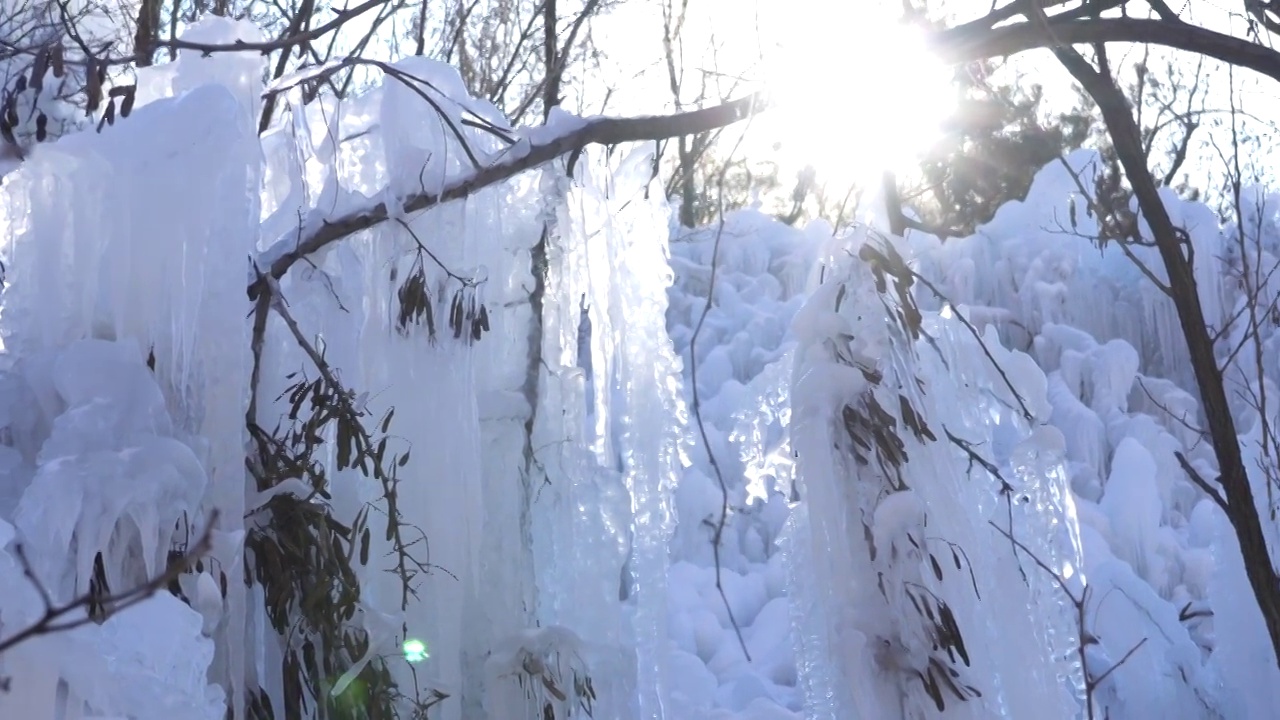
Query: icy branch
[523, 156]
[58, 617]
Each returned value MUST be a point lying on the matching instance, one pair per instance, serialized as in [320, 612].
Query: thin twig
[1026, 412]
[702, 430]
[1199, 480]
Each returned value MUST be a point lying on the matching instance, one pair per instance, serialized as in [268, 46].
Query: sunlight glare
[415, 651]
[855, 92]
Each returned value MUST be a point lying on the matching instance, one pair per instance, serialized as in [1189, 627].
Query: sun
[854, 92]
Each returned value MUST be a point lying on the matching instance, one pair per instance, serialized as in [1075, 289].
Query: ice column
[653, 415]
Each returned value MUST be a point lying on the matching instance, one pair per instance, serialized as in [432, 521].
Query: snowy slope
[1100, 385]
[761, 271]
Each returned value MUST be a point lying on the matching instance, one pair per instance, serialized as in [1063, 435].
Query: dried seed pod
[92, 89]
[56, 61]
[42, 127]
[38, 68]
[126, 105]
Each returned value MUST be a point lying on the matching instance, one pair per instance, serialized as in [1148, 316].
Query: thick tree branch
[1021, 7]
[967, 44]
[300, 18]
[519, 158]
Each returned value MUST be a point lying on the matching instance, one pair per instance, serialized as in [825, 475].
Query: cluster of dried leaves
[945, 636]
[305, 559]
[418, 305]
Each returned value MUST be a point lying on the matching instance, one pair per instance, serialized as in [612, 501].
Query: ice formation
[544, 560]
[947, 478]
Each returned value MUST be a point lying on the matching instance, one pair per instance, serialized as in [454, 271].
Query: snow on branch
[525, 155]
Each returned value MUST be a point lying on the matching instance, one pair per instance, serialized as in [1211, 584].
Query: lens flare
[415, 651]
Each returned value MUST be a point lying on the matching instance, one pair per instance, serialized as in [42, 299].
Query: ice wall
[547, 554]
[459, 417]
[126, 249]
[743, 377]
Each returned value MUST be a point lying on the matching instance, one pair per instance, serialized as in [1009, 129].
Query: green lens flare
[415, 651]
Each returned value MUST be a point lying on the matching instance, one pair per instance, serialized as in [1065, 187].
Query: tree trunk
[147, 34]
[1239, 502]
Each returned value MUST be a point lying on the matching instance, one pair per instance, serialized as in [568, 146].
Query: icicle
[826, 695]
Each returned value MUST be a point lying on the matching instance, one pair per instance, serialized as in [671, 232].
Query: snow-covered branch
[524, 155]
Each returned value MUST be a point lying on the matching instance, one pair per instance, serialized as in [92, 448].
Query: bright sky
[838, 71]
[857, 93]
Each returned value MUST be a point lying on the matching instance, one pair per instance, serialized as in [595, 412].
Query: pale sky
[856, 96]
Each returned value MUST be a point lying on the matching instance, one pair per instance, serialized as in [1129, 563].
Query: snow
[957, 507]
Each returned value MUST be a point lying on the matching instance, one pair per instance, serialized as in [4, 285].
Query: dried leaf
[556, 692]
[931, 687]
[455, 316]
